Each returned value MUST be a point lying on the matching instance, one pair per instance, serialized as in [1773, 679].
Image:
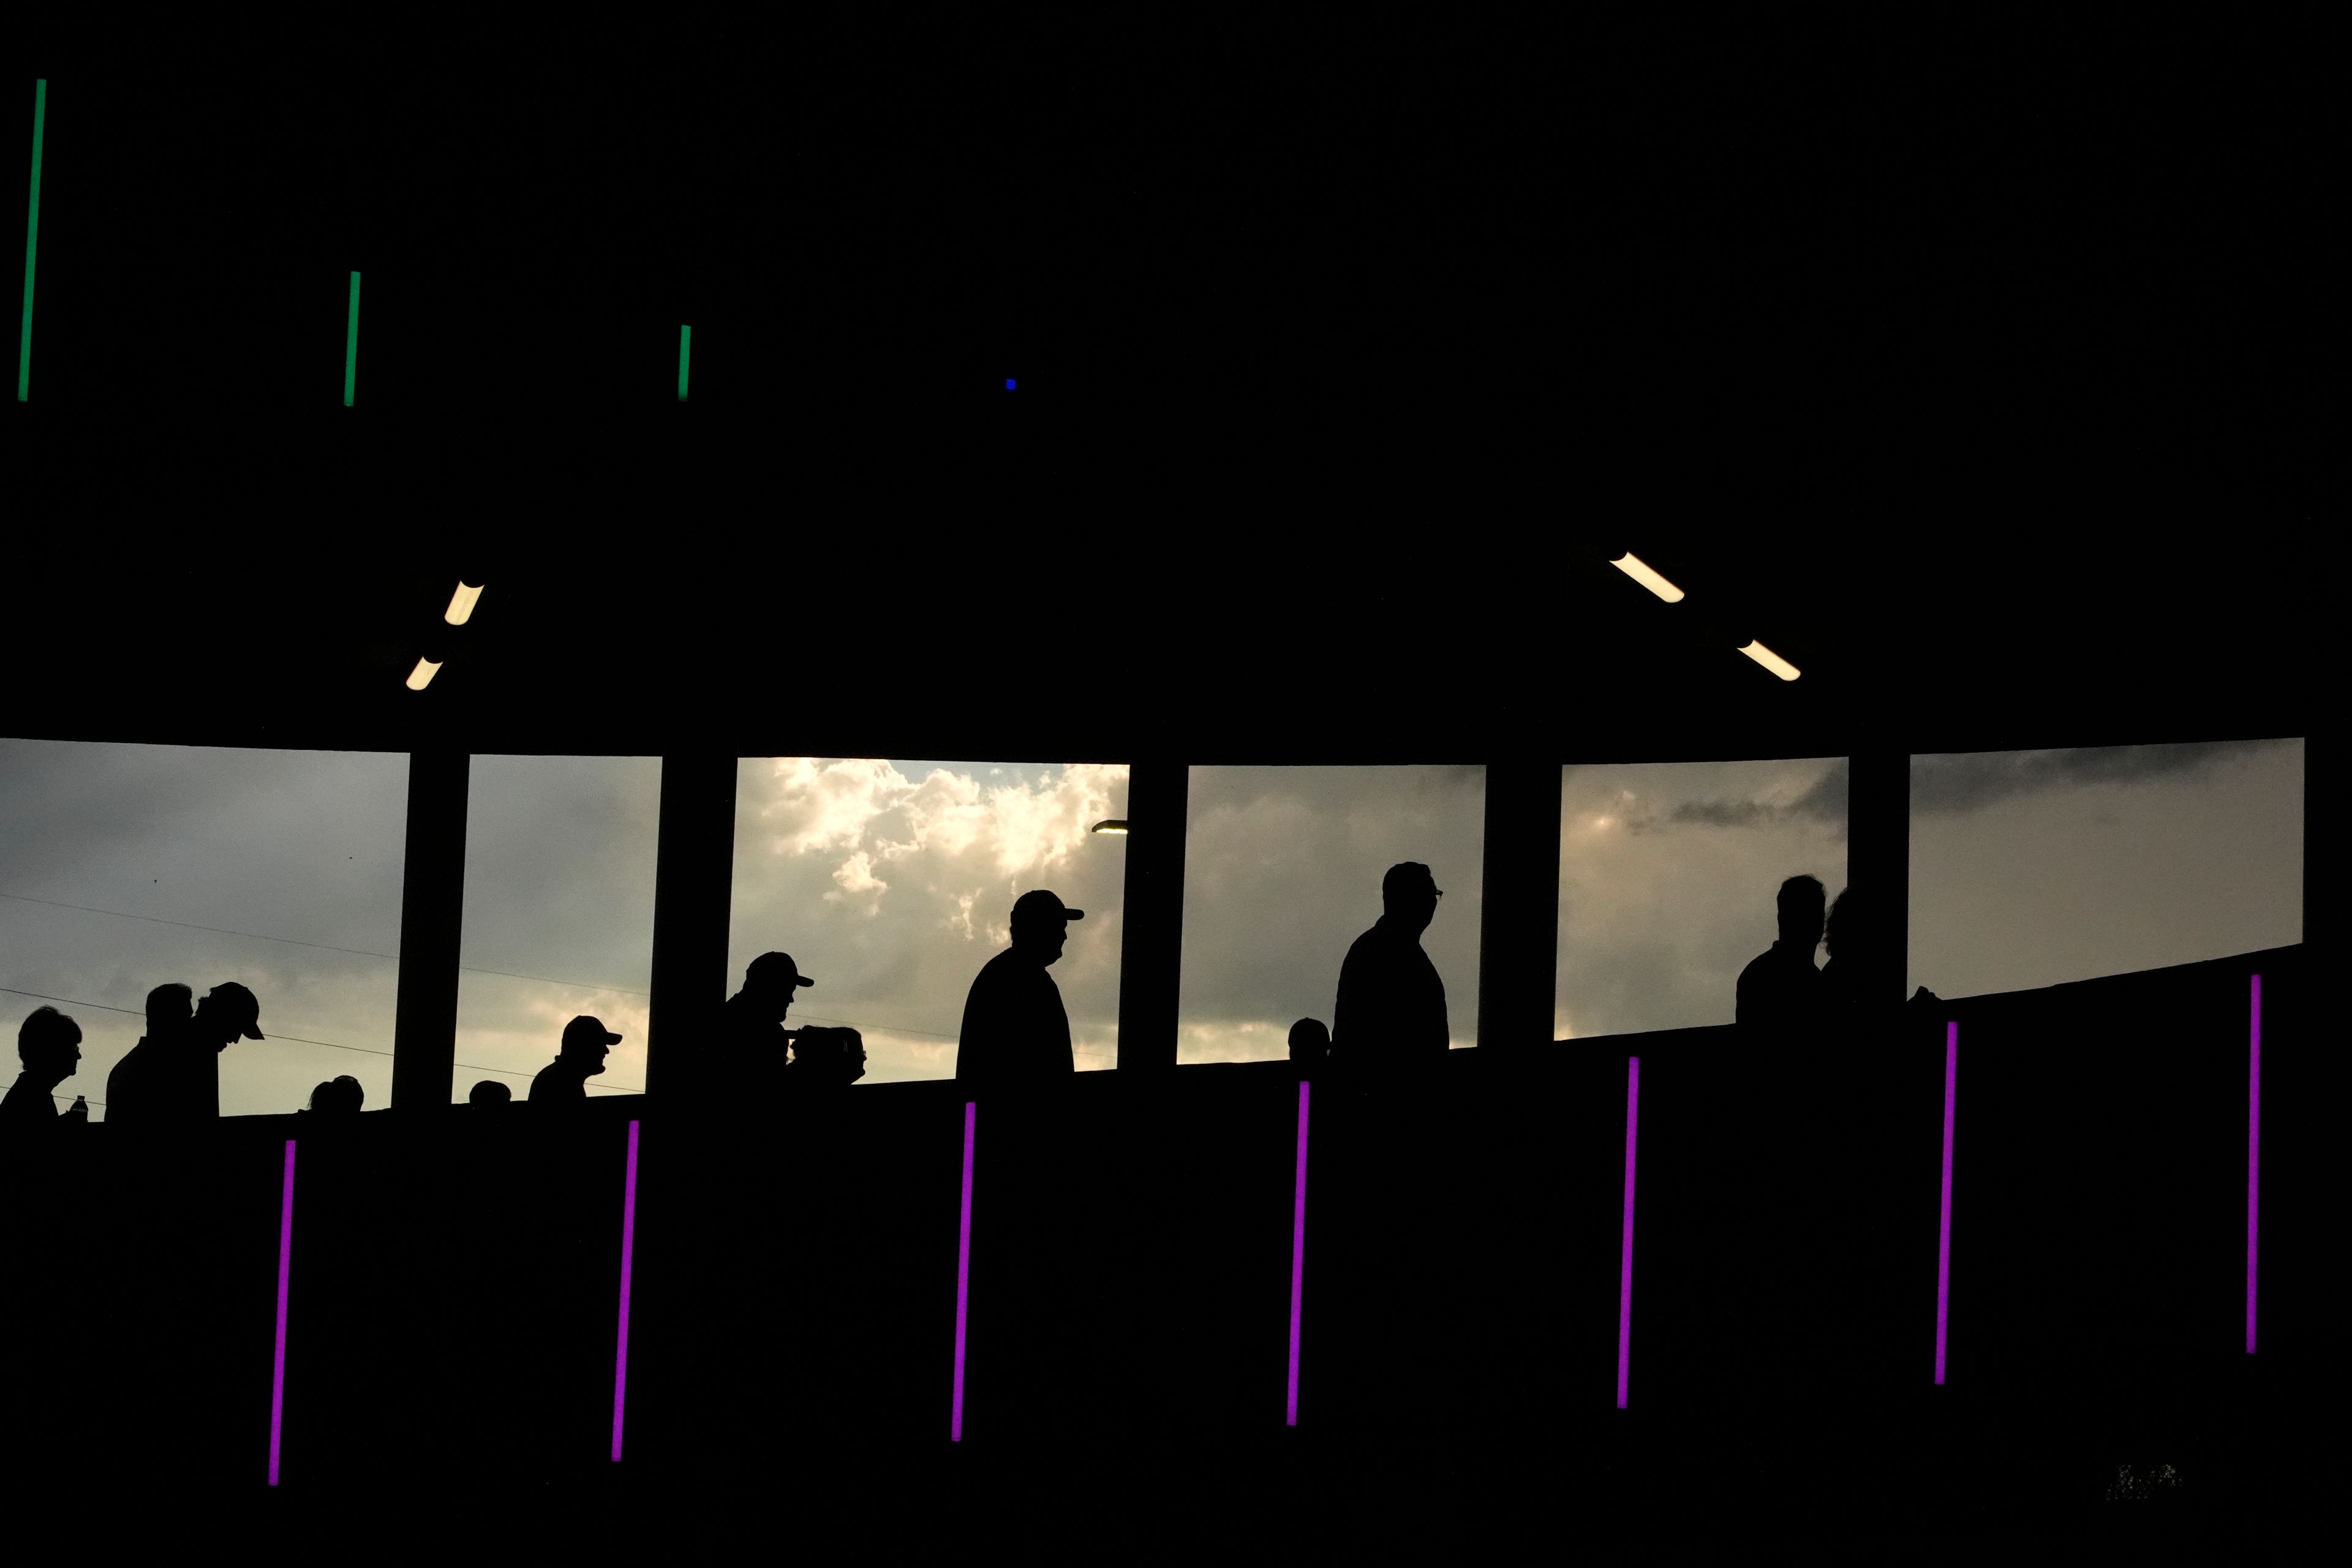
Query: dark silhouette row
[1390, 1017]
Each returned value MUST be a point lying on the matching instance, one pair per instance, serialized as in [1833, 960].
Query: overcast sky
[890, 882]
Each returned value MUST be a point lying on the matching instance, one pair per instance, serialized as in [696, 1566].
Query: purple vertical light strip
[963, 1276]
[1625, 1253]
[2254, 1150]
[1297, 1248]
[285, 1257]
[1943, 1230]
[628, 1248]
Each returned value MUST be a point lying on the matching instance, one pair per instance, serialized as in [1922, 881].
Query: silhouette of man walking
[586, 1043]
[133, 1091]
[752, 1037]
[50, 1045]
[1015, 1029]
[1781, 990]
[1391, 1006]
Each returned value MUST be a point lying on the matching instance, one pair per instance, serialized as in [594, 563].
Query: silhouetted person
[1781, 990]
[823, 1056]
[339, 1097]
[1310, 1043]
[227, 1012]
[1391, 1006]
[134, 1089]
[586, 1042]
[1015, 1029]
[490, 1092]
[1849, 917]
[753, 1040]
[50, 1045]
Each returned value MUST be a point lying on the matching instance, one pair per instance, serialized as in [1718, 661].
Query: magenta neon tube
[284, 1257]
[1625, 1254]
[1944, 1231]
[963, 1276]
[628, 1244]
[1297, 1247]
[2253, 1149]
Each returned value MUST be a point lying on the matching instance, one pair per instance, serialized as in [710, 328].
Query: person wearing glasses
[1391, 1006]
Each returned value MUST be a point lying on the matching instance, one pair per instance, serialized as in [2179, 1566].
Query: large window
[559, 921]
[2034, 868]
[123, 868]
[1282, 873]
[891, 882]
[1668, 877]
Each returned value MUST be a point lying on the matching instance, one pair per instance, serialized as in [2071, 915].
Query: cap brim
[802, 980]
[1074, 914]
[612, 1039]
[253, 1034]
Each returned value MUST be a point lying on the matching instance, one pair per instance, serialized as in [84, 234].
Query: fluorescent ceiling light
[419, 678]
[1634, 567]
[461, 605]
[1110, 825]
[1770, 660]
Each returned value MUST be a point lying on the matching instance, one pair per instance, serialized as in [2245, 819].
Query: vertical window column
[693, 892]
[1878, 861]
[1518, 928]
[1152, 943]
[432, 915]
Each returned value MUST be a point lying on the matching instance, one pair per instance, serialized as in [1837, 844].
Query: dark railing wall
[455, 1277]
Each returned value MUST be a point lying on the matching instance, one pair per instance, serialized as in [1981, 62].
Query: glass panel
[559, 921]
[2032, 869]
[128, 867]
[1282, 869]
[1669, 874]
[890, 882]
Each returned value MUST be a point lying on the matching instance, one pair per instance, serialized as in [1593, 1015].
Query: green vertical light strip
[351, 345]
[31, 240]
[684, 344]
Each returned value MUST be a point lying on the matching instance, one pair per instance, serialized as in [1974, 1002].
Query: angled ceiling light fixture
[1770, 660]
[461, 605]
[1633, 566]
[422, 676]
[1110, 824]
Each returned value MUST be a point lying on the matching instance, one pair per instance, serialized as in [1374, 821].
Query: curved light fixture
[422, 676]
[1633, 566]
[1110, 824]
[1770, 660]
[461, 605]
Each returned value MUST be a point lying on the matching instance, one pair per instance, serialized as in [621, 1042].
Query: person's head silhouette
[1829, 931]
[1310, 1041]
[169, 1007]
[1408, 895]
[339, 1097]
[489, 1092]
[772, 983]
[227, 1012]
[1801, 915]
[1041, 924]
[50, 1045]
[586, 1043]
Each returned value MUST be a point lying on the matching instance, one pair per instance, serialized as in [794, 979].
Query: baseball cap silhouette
[235, 1002]
[776, 968]
[1038, 904]
[587, 1031]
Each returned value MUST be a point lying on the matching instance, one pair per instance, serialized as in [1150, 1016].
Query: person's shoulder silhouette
[1015, 1028]
[1392, 1002]
[1781, 990]
[49, 1043]
[564, 1080]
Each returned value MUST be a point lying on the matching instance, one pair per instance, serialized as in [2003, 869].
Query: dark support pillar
[1878, 860]
[694, 888]
[432, 913]
[1518, 921]
[1151, 950]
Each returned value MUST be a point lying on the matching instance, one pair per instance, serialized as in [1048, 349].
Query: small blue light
[1008, 385]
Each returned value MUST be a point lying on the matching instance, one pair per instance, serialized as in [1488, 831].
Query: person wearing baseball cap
[1391, 1005]
[192, 1086]
[1015, 1030]
[751, 1036]
[585, 1043]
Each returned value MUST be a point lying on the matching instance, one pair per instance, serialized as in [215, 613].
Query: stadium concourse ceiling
[1245, 644]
